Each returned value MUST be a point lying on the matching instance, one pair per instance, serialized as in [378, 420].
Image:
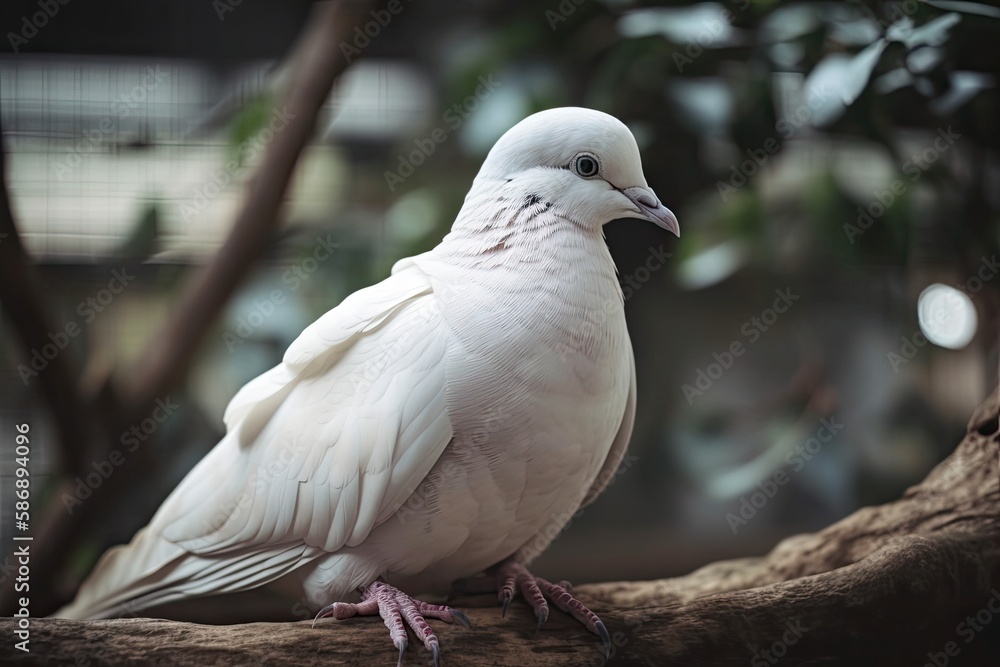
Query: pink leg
[398, 610]
[512, 577]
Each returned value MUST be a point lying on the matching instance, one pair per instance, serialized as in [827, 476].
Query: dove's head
[583, 162]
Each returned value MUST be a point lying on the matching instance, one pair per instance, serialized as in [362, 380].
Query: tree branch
[23, 303]
[317, 63]
[915, 581]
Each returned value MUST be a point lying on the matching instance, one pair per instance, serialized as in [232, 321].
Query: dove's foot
[395, 607]
[512, 577]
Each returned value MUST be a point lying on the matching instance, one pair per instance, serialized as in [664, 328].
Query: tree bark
[912, 582]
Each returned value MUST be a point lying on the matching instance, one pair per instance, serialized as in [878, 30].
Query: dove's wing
[620, 444]
[319, 450]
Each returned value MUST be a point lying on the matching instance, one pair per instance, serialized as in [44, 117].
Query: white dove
[443, 423]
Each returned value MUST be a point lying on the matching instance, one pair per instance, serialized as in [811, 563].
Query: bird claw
[511, 577]
[462, 618]
[399, 611]
[542, 617]
[602, 632]
[339, 610]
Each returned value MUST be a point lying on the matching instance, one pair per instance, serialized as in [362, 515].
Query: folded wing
[318, 451]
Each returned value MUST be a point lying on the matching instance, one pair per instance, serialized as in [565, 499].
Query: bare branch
[22, 301]
[317, 62]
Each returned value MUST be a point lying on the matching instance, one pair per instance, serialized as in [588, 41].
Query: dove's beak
[651, 209]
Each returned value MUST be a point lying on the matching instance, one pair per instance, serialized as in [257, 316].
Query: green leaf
[143, 241]
[250, 120]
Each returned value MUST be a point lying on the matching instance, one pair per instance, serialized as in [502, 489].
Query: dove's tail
[127, 578]
[156, 567]
[151, 570]
[148, 570]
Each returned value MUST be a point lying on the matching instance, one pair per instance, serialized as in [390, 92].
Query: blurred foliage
[143, 239]
[706, 85]
[838, 101]
[248, 122]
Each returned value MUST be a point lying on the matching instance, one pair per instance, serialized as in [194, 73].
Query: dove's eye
[586, 165]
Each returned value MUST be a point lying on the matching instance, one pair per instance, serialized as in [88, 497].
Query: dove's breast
[538, 375]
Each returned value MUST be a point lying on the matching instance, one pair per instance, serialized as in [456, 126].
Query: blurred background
[814, 342]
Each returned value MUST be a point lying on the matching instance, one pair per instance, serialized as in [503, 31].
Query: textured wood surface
[913, 582]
